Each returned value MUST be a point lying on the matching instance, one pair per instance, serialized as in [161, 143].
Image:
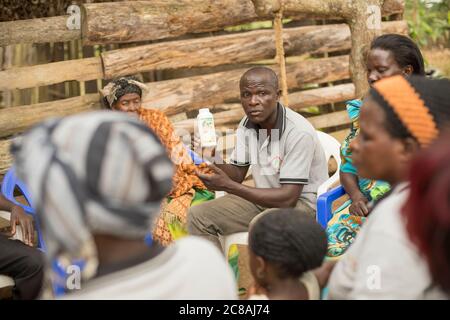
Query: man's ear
[408, 70]
[261, 267]
[278, 94]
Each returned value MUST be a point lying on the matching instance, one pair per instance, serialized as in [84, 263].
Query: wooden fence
[189, 42]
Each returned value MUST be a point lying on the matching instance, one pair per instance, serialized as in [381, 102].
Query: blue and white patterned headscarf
[99, 172]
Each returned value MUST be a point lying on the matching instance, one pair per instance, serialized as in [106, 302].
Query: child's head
[393, 54]
[399, 116]
[285, 243]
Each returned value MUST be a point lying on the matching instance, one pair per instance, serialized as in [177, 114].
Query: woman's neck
[287, 289]
[115, 254]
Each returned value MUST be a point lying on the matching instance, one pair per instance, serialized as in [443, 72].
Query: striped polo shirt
[291, 154]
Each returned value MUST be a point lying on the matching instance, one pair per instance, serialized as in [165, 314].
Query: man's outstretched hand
[216, 180]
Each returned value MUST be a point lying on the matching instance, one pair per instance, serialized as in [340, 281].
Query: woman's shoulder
[353, 108]
[151, 112]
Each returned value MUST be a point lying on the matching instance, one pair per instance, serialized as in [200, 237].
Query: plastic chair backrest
[324, 202]
[332, 148]
[9, 184]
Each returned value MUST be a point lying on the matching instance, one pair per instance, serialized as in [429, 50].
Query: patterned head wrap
[422, 105]
[114, 90]
[99, 172]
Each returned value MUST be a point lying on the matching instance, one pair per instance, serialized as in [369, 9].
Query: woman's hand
[359, 206]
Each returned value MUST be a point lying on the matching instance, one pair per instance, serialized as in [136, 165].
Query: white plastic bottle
[206, 130]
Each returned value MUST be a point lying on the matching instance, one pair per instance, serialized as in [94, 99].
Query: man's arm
[5, 204]
[285, 196]
[18, 217]
[236, 173]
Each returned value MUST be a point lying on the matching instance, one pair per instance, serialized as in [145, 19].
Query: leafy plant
[429, 21]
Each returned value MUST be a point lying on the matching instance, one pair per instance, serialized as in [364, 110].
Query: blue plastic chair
[324, 202]
[9, 184]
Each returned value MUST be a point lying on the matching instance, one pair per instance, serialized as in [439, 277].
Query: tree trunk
[182, 95]
[17, 119]
[364, 26]
[37, 31]
[238, 48]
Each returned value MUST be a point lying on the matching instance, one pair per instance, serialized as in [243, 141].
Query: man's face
[376, 154]
[259, 98]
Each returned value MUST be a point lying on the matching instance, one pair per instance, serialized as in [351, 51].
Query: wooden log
[244, 47]
[316, 97]
[119, 22]
[52, 29]
[18, 119]
[47, 74]
[236, 48]
[300, 100]
[157, 19]
[323, 8]
[6, 158]
[341, 134]
[332, 119]
[181, 95]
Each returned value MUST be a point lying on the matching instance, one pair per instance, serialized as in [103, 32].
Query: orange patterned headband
[409, 107]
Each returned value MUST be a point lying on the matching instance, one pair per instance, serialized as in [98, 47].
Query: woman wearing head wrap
[97, 195]
[125, 94]
[389, 55]
[398, 118]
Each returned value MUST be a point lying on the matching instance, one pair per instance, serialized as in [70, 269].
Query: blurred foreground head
[94, 173]
[427, 210]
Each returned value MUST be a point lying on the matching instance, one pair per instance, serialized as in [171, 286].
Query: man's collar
[280, 123]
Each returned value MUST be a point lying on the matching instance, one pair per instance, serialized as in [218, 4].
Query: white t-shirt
[189, 269]
[382, 262]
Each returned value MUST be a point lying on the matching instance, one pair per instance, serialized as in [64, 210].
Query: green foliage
[429, 21]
